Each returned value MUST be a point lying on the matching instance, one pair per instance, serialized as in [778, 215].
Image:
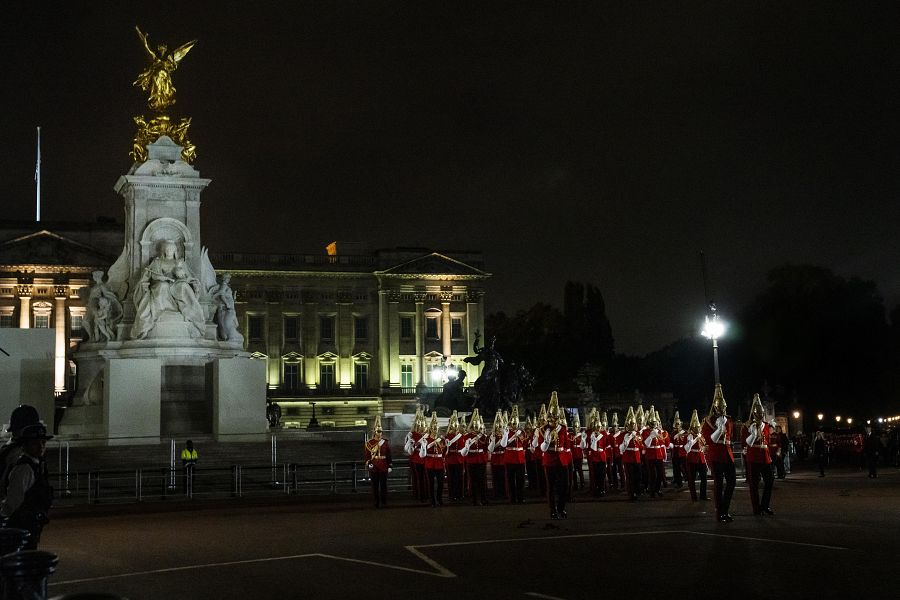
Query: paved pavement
[830, 537]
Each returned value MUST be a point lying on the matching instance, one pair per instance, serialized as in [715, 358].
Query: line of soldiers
[552, 455]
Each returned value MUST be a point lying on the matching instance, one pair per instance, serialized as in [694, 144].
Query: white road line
[438, 569]
[545, 596]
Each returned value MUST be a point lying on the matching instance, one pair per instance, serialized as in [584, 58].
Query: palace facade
[346, 334]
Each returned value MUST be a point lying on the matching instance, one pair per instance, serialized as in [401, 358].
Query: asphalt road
[830, 537]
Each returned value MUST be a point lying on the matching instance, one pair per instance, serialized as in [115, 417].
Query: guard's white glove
[720, 422]
[390, 469]
[371, 465]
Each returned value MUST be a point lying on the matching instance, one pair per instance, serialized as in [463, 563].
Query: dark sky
[602, 142]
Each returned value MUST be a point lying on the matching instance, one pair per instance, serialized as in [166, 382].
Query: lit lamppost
[713, 329]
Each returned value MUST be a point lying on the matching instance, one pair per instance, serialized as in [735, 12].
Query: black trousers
[598, 478]
[379, 487]
[656, 473]
[616, 473]
[872, 463]
[755, 471]
[531, 471]
[515, 480]
[820, 461]
[678, 471]
[477, 483]
[455, 479]
[694, 471]
[557, 487]
[498, 477]
[779, 465]
[578, 472]
[632, 479]
[436, 486]
[724, 480]
[420, 482]
[30, 523]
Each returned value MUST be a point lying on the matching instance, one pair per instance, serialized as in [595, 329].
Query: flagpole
[37, 173]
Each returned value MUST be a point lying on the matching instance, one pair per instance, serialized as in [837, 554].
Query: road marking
[439, 570]
[545, 596]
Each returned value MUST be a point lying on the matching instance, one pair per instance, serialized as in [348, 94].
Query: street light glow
[820, 416]
[838, 418]
[796, 414]
[713, 329]
[849, 420]
[880, 420]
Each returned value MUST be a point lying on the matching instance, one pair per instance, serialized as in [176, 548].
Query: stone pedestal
[239, 411]
[27, 371]
[131, 400]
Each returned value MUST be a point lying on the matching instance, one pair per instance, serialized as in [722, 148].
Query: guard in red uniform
[498, 456]
[538, 453]
[579, 444]
[514, 441]
[554, 439]
[531, 468]
[378, 461]
[453, 459]
[667, 445]
[654, 454]
[617, 471]
[640, 418]
[417, 474]
[630, 449]
[717, 431]
[475, 452]
[755, 435]
[695, 458]
[597, 456]
[431, 450]
[676, 446]
[776, 452]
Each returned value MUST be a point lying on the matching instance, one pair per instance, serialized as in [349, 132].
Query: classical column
[344, 340]
[61, 342]
[446, 347]
[384, 362]
[394, 335]
[420, 339]
[24, 306]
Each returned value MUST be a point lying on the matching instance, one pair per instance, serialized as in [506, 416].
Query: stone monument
[164, 355]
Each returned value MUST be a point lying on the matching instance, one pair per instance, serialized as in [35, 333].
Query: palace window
[361, 376]
[291, 329]
[76, 322]
[326, 376]
[6, 321]
[406, 375]
[291, 376]
[326, 328]
[406, 328]
[431, 328]
[361, 328]
[456, 331]
[255, 327]
[42, 321]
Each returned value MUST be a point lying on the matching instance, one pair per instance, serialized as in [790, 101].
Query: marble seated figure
[167, 289]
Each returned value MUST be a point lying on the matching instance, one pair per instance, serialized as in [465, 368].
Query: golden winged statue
[157, 76]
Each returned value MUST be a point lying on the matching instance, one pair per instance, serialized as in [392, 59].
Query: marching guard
[498, 456]
[530, 464]
[453, 459]
[630, 449]
[474, 451]
[513, 442]
[755, 435]
[679, 456]
[597, 455]
[537, 452]
[616, 471]
[378, 461]
[579, 445]
[717, 431]
[695, 457]
[554, 440]
[417, 474]
[641, 423]
[654, 453]
[431, 450]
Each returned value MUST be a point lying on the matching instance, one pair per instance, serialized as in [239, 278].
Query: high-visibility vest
[189, 455]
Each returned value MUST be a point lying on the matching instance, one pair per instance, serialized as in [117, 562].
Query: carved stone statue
[157, 76]
[226, 318]
[104, 311]
[167, 287]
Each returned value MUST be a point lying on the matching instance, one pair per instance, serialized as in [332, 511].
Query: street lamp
[820, 416]
[796, 414]
[838, 418]
[849, 420]
[713, 329]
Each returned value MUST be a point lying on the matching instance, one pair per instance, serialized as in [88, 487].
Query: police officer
[28, 493]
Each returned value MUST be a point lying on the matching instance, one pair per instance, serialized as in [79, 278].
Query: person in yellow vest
[189, 458]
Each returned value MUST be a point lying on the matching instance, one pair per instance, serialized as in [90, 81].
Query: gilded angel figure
[157, 76]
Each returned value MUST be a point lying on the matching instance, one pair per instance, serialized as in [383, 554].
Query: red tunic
[558, 454]
[537, 452]
[632, 452]
[434, 456]
[577, 450]
[718, 452]
[653, 449]
[695, 456]
[452, 456]
[678, 444]
[478, 454]
[498, 455]
[599, 443]
[759, 452]
[515, 447]
[414, 457]
[378, 455]
[617, 439]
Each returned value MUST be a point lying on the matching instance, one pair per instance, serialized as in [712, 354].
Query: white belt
[515, 449]
[759, 446]
[634, 449]
[435, 455]
[697, 451]
[476, 451]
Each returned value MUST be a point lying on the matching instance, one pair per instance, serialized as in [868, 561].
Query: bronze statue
[500, 385]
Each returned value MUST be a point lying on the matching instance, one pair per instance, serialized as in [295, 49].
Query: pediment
[434, 264]
[47, 248]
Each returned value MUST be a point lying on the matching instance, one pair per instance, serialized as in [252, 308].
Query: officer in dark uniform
[28, 493]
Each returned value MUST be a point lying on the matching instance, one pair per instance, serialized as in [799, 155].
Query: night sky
[607, 143]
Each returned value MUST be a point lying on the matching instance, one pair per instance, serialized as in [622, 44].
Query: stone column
[420, 339]
[24, 306]
[311, 343]
[446, 347]
[61, 342]
[384, 361]
[344, 340]
[394, 345]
